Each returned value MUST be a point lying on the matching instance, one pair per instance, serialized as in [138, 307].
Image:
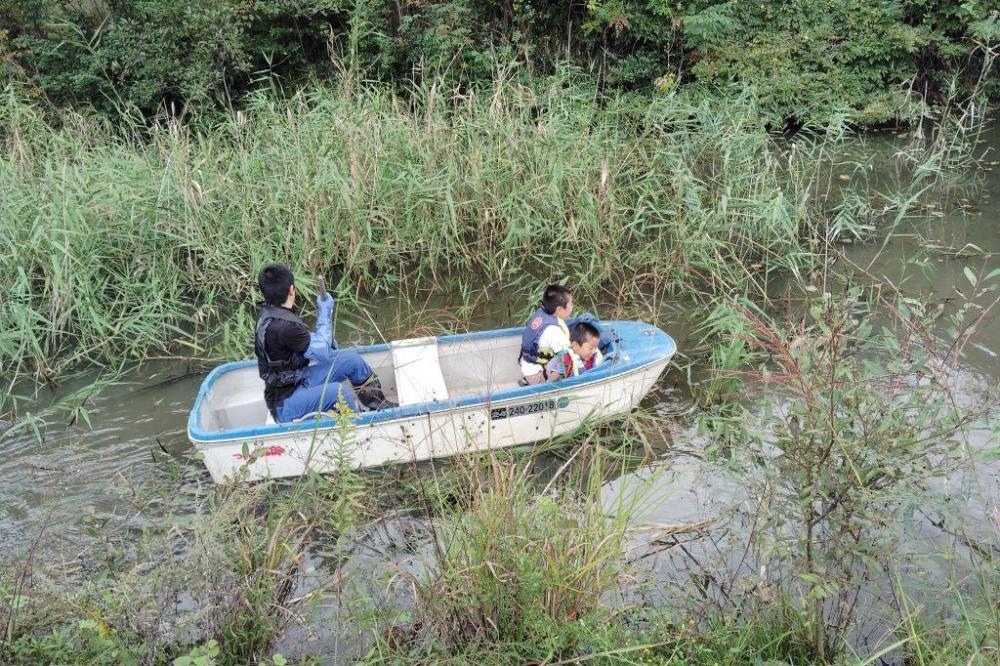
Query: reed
[521, 566]
[127, 241]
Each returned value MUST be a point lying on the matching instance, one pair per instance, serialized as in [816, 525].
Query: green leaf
[970, 276]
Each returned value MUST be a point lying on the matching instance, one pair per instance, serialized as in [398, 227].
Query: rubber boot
[371, 395]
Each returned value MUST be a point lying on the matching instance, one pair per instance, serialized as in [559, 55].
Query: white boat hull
[493, 425]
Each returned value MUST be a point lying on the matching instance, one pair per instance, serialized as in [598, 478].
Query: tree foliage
[807, 60]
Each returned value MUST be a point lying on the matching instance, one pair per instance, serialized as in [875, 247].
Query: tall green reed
[127, 241]
[521, 565]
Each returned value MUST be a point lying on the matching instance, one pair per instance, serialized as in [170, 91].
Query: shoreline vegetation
[831, 400]
[636, 197]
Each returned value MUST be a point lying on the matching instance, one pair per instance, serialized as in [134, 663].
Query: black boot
[371, 395]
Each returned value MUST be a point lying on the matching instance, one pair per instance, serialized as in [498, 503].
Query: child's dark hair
[582, 332]
[555, 296]
[275, 280]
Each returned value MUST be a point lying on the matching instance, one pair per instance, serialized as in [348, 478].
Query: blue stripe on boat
[643, 343]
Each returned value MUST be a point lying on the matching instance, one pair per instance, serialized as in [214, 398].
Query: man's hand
[325, 303]
[321, 341]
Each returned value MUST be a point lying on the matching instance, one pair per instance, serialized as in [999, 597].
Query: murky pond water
[67, 477]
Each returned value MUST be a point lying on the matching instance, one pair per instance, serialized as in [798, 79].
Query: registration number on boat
[498, 413]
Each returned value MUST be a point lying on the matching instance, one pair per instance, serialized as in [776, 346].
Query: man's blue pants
[325, 386]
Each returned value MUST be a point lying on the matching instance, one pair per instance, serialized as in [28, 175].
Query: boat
[456, 394]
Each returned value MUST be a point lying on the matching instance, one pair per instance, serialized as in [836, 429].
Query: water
[55, 490]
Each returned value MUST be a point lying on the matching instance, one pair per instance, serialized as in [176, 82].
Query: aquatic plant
[845, 414]
[518, 568]
[385, 192]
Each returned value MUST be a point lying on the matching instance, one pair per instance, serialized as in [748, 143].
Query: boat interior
[411, 372]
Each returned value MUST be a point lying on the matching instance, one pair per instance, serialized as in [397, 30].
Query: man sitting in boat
[584, 353]
[284, 348]
[546, 333]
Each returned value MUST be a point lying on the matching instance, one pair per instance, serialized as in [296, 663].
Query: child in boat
[546, 333]
[582, 355]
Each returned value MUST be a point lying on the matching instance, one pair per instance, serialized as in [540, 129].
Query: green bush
[806, 60]
[148, 53]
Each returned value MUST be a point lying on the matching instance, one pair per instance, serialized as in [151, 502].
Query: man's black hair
[582, 332]
[275, 280]
[556, 296]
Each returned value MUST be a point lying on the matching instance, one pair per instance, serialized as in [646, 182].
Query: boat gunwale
[327, 424]
[616, 369]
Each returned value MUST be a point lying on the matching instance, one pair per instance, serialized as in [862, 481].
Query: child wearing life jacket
[582, 355]
[546, 333]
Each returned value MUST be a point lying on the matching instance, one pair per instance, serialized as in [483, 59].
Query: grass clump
[517, 574]
[210, 581]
